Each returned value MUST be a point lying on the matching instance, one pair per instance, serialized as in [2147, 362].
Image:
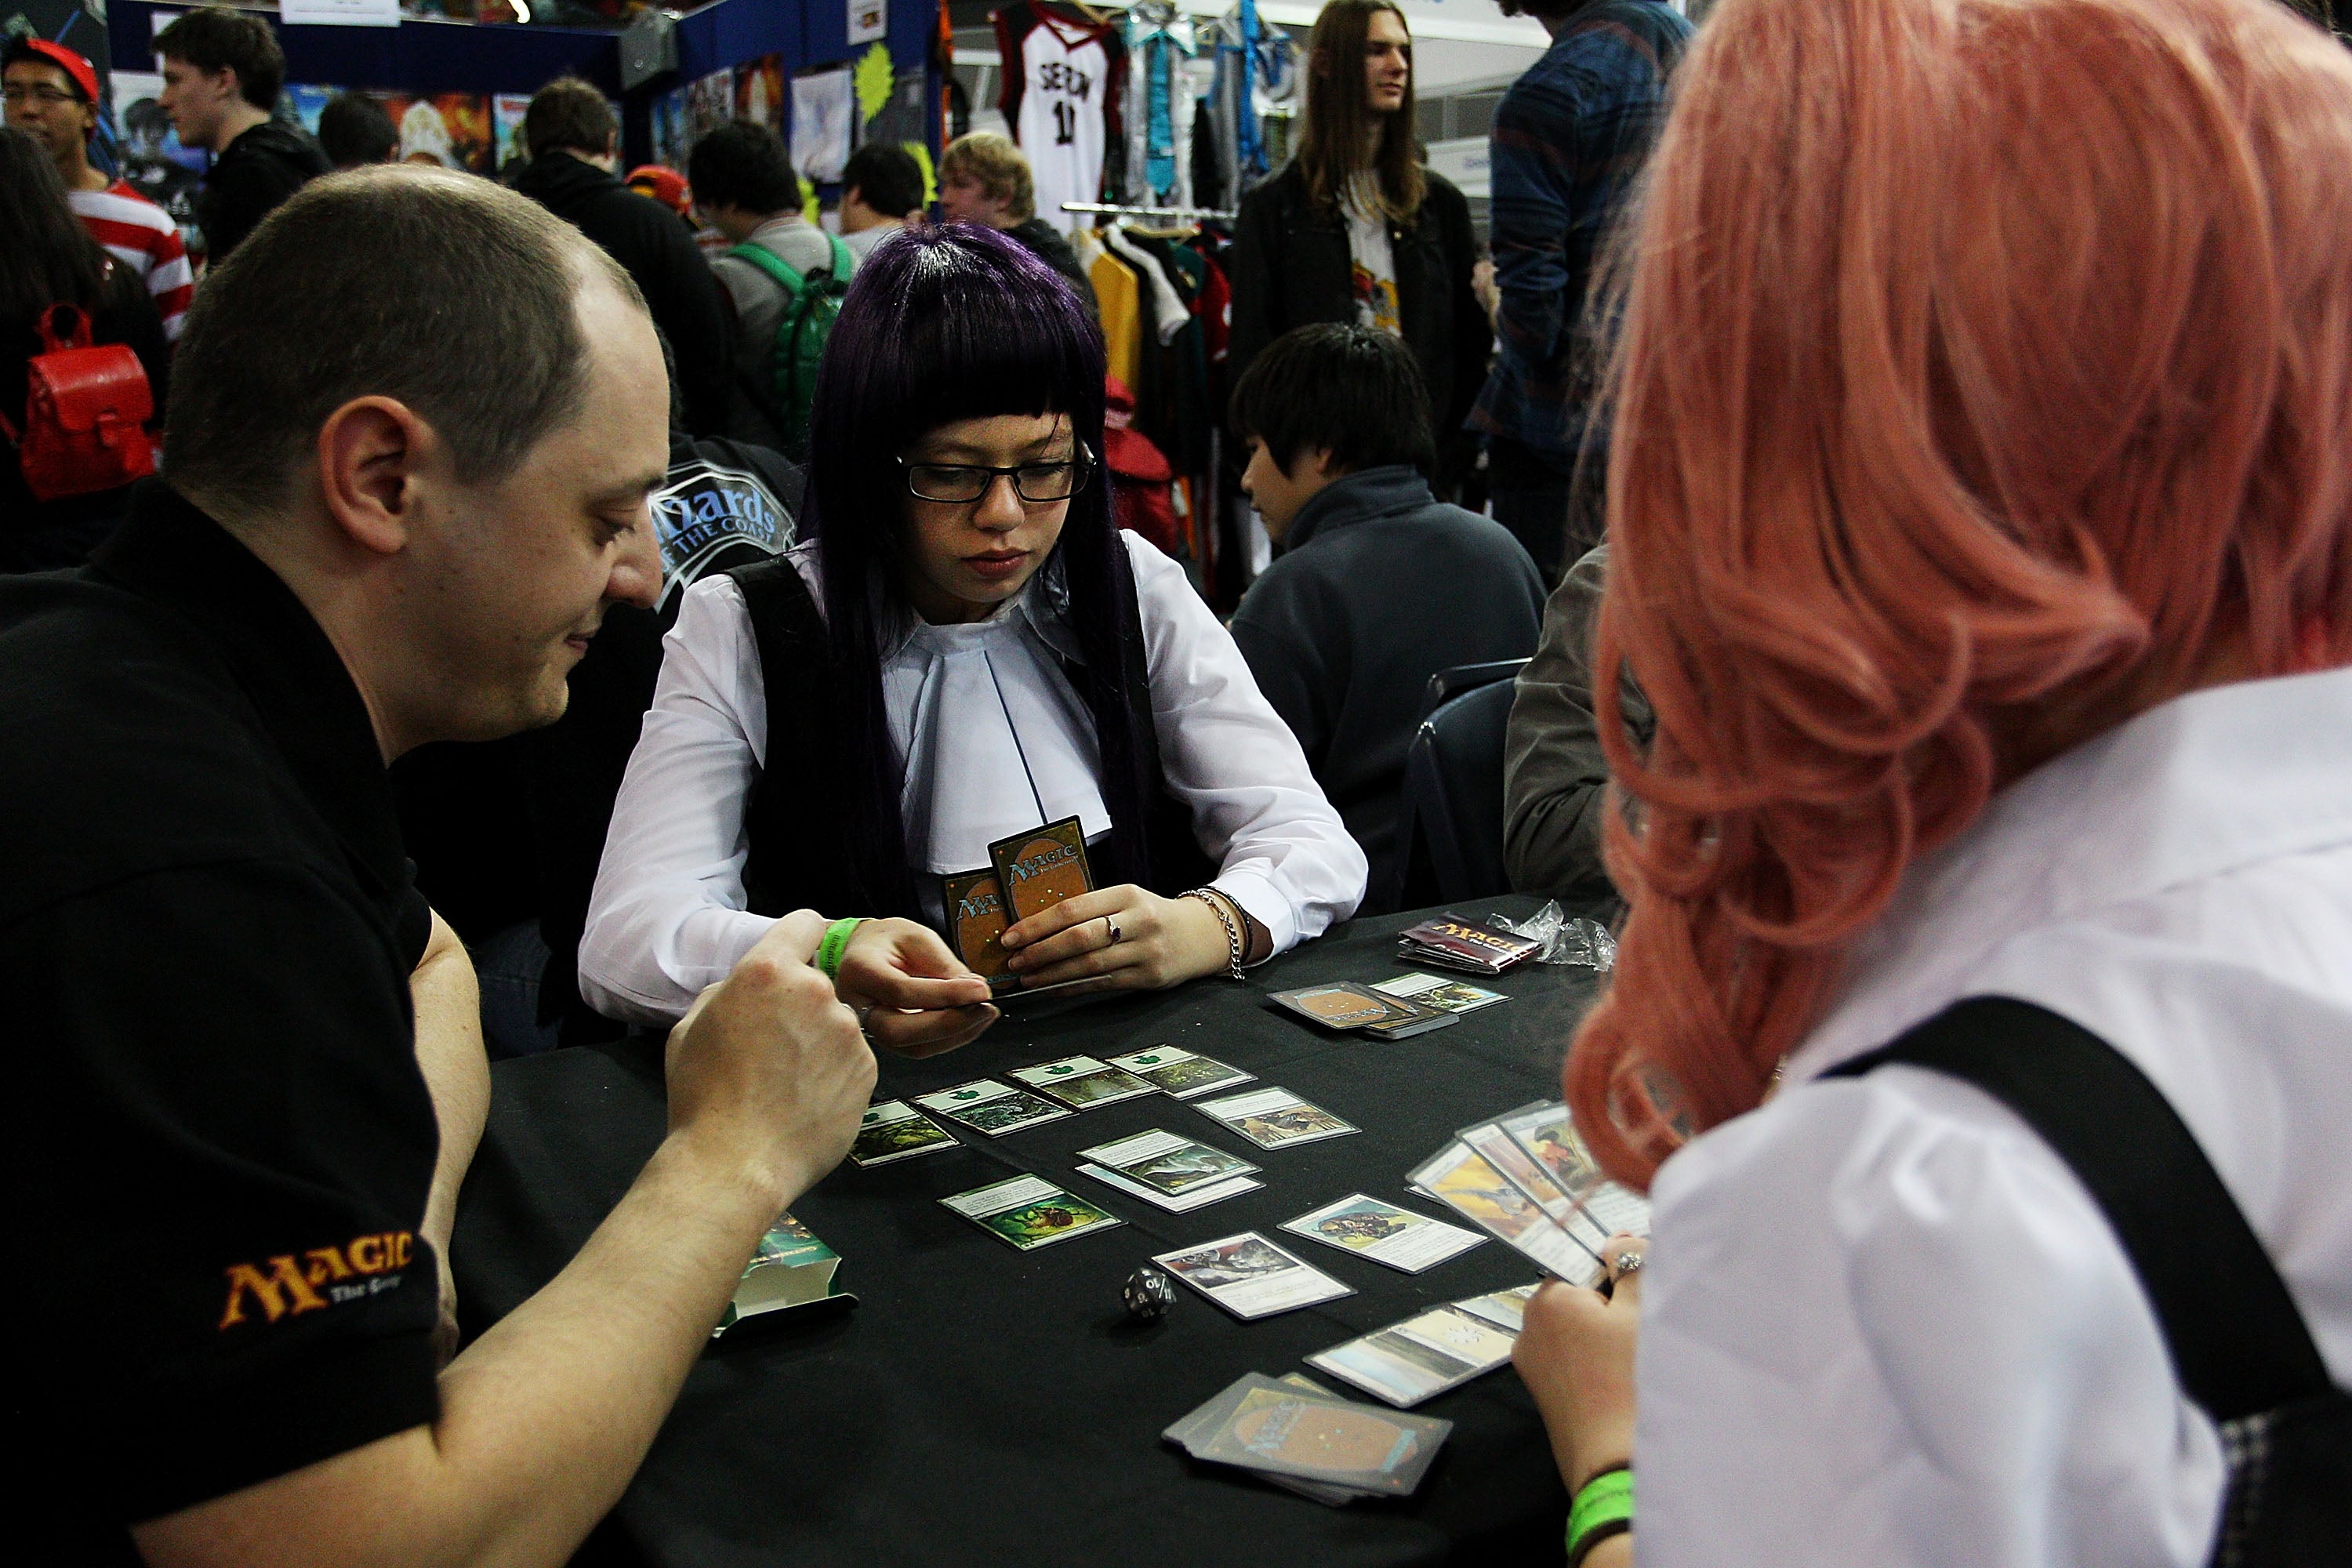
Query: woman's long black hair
[941, 324]
[47, 258]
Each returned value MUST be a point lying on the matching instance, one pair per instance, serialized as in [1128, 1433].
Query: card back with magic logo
[1039, 868]
[976, 919]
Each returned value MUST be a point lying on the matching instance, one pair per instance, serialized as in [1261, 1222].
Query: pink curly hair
[1986, 377]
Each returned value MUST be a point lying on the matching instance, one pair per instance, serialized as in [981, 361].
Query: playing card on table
[896, 1131]
[1345, 1005]
[1263, 1423]
[1273, 1117]
[1250, 1277]
[1029, 1212]
[1384, 1233]
[1420, 1358]
[1181, 1073]
[987, 1106]
[1331, 1495]
[1437, 990]
[1168, 1161]
[1082, 1082]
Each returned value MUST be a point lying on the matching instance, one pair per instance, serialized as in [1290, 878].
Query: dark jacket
[647, 238]
[253, 174]
[1053, 247]
[1291, 266]
[1380, 586]
[1554, 772]
[37, 535]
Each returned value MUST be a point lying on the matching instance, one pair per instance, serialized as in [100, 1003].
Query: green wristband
[836, 943]
[1603, 1509]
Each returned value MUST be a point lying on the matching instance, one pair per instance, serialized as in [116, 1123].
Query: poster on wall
[760, 91]
[153, 162]
[451, 129]
[507, 110]
[825, 109]
[868, 20]
[306, 100]
[709, 104]
[669, 123]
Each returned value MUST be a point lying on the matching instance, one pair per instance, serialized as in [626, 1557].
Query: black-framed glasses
[15, 92]
[963, 483]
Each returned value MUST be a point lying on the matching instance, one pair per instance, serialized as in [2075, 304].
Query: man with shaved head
[414, 427]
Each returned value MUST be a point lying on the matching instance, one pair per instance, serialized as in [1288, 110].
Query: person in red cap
[666, 186]
[52, 97]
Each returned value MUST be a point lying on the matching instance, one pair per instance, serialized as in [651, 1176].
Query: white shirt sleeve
[667, 919]
[1885, 1325]
[1282, 851]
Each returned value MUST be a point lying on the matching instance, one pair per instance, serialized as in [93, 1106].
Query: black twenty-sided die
[1149, 1294]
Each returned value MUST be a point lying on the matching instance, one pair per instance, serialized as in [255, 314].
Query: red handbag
[86, 411]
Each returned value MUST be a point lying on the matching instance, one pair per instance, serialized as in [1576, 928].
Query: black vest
[800, 857]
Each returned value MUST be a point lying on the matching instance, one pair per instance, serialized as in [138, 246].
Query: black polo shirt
[218, 1141]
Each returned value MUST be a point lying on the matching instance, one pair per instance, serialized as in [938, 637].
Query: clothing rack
[1183, 213]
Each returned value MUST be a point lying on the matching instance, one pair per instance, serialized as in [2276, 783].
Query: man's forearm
[457, 1070]
[543, 1419]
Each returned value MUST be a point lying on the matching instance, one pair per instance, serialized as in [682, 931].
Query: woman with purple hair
[968, 650]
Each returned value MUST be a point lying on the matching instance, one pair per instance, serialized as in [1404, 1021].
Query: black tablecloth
[987, 1406]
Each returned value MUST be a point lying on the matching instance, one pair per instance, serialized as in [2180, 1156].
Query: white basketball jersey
[1063, 93]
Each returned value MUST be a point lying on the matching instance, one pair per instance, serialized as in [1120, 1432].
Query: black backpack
[2239, 1346]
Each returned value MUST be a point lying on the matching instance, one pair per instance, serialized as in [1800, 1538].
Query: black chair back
[1450, 818]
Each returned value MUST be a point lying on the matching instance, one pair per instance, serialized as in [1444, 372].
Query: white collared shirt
[1885, 1325]
[667, 917]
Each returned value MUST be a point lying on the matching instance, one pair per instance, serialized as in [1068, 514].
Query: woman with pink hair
[1979, 530]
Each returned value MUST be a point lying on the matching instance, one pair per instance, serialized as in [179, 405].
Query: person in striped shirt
[52, 97]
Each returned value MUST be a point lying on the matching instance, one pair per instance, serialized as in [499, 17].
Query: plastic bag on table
[1579, 941]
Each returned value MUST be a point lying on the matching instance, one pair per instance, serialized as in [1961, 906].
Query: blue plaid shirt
[1570, 138]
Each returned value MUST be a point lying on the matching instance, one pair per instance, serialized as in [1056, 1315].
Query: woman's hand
[909, 992]
[1131, 937]
[1576, 1356]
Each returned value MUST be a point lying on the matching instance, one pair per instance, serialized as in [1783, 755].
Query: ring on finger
[1628, 1263]
[864, 1014]
[1112, 923]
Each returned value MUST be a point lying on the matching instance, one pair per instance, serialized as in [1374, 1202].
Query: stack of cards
[1431, 1352]
[1333, 1450]
[1029, 1212]
[1250, 1277]
[1274, 1118]
[1082, 1083]
[894, 1130]
[1529, 1179]
[1451, 942]
[1344, 1004]
[1384, 1233]
[987, 1106]
[1173, 1171]
[1181, 1073]
[1437, 990]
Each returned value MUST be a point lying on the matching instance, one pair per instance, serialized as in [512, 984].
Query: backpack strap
[777, 268]
[842, 262]
[2239, 1345]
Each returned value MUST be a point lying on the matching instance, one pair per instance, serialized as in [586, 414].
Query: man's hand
[770, 1065]
[910, 992]
[1576, 1355]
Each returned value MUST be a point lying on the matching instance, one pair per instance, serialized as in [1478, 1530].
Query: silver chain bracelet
[1232, 930]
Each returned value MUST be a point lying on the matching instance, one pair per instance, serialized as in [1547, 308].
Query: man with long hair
[1354, 230]
[1981, 533]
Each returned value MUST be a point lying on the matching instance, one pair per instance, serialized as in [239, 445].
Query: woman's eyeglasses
[963, 483]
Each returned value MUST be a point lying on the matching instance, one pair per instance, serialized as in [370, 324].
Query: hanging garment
[1063, 82]
[1120, 292]
[1143, 495]
[1168, 315]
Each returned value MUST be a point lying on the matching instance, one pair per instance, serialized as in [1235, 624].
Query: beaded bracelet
[836, 943]
[1216, 903]
[1603, 1509]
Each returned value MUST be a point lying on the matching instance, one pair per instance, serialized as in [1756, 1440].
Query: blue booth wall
[422, 56]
